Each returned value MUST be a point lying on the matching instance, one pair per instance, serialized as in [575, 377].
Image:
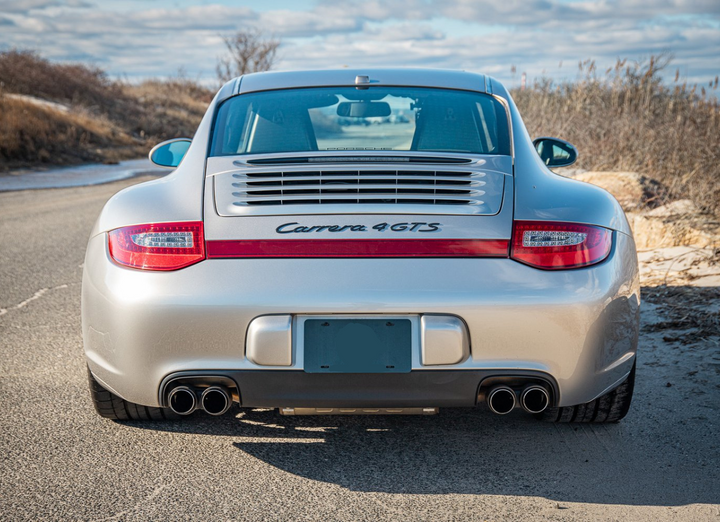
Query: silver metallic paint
[497, 226]
[542, 195]
[269, 340]
[149, 325]
[579, 326]
[444, 340]
[490, 171]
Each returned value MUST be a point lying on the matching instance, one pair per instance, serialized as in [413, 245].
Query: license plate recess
[357, 345]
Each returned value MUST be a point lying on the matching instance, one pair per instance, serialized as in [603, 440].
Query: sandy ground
[60, 461]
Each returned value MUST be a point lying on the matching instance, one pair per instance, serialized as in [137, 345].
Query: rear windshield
[355, 119]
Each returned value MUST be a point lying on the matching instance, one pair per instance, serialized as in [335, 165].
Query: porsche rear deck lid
[475, 188]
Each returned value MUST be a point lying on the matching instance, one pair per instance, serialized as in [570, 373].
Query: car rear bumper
[576, 327]
[415, 389]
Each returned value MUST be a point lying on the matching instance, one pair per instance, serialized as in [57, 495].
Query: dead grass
[31, 134]
[77, 85]
[627, 119]
[168, 109]
[107, 121]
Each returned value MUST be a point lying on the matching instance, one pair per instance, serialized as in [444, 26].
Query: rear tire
[110, 406]
[609, 408]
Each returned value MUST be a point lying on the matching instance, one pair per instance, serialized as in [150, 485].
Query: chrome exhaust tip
[182, 400]
[535, 399]
[501, 400]
[215, 400]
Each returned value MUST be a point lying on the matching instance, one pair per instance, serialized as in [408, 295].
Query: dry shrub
[250, 51]
[629, 120]
[24, 72]
[31, 134]
[108, 120]
[169, 109]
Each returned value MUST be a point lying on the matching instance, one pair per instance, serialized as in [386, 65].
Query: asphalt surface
[59, 460]
[76, 175]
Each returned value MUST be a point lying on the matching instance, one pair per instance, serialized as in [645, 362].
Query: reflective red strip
[358, 248]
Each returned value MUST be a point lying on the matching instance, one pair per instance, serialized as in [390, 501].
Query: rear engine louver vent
[347, 187]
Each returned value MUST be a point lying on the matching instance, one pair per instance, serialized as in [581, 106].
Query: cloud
[13, 6]
[157, 38]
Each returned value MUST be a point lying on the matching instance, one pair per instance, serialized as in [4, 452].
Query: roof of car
[442, 78]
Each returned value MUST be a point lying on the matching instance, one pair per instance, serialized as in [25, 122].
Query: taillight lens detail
[552, 246]
[158, 246]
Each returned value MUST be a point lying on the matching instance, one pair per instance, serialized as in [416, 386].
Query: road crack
[35, 296]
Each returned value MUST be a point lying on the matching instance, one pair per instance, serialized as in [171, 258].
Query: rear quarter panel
[542, 195]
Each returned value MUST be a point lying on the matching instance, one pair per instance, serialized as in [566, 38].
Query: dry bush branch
[629, 120]
[250, 51]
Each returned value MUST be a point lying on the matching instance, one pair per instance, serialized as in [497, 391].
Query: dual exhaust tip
[503, 399]
[214, 400]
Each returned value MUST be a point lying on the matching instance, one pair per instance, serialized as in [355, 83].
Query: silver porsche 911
[362, 242]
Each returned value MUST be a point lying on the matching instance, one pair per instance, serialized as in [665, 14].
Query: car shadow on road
[664, 453]
[466, 452]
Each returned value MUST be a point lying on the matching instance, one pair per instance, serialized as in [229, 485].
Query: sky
[135, 39]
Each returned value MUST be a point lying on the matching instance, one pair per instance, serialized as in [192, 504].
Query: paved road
[77, 175]
[60, 461]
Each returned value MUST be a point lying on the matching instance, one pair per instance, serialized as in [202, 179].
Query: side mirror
[170, 153]
[555, 152]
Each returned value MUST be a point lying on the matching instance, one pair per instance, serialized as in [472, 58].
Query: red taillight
[551, 245]
[160, 246]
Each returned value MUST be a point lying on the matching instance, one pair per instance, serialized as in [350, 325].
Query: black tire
[110, 406]
[611, 407]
